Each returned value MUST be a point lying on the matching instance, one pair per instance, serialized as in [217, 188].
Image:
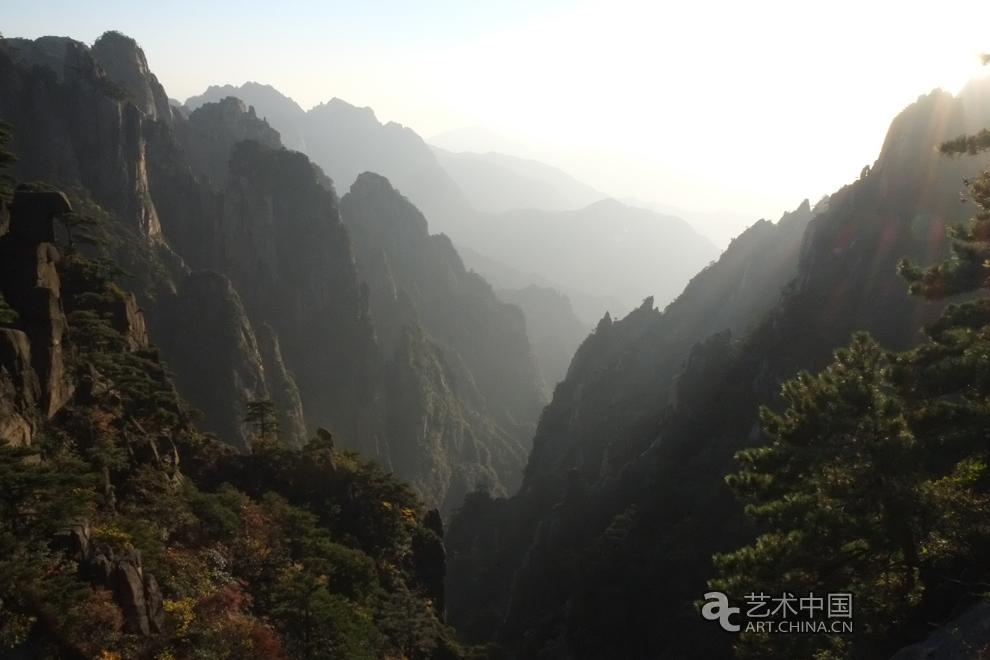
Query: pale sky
[737, 106]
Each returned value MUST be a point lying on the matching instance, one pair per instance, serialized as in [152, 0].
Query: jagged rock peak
[125, 63]
[44, 51]
[214, 128]
[340, 106]
[250, 90]
[377, 192]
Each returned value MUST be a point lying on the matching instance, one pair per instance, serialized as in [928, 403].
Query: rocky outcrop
[213, 349]
[430, 561]
[30, 285]
[128, 319]
[283, 246]
[19, 388]
[213, 129]
[135, 590]
[76, 125]
[125, 63]
[281, 385]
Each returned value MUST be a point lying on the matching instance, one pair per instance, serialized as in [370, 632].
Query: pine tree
[876, 481]
[7, 158]
[841, 499]
[263, 416]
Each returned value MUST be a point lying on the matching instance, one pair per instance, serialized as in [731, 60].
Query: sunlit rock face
[76, 125]
[125, 63]
[644, 427]
[463, 389]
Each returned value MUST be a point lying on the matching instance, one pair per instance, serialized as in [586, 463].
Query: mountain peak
[124, 61]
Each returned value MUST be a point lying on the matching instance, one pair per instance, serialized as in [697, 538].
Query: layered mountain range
[517, 214]
[608, 545]
[260, 283]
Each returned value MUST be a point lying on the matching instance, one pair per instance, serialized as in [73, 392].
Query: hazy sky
[743, 106]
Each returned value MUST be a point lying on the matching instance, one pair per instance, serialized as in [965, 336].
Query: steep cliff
[218, 361]
[122, 534]
[346, 140]
[554, 331]
[285, 249]
[645, 453]
[128, 157]
[72, 125]
[211, 131]
[474, 352]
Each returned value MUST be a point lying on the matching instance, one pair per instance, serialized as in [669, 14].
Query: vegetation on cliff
[126, 533]
[876, 480]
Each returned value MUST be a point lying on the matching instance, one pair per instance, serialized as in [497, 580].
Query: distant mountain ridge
[259, 282]
[608, 546]
[495, 183]
[345, 140]
[606, 249]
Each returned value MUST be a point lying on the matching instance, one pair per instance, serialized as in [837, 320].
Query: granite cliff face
[117, 142]
[345, 140]
[125, 64]
[212, 130]
[216, 337]
[33, 379]
[463, 390]
[72, 126]
[623, 501]
[29, 284]
[458, 308]
[253, 286]
[284, 247]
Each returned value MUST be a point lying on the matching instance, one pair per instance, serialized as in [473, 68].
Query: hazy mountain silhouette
[586, 307]
[607, 249]
[479, 140]
[720, 226]
[281, 112]
[608, 545]
[345, 140]
[495, 183]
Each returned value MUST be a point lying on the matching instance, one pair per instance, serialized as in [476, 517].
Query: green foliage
[967, 144]
[969, 267]
[281, 554]
[38, 499]
[7, 314]
[7, 158]
[876, 481]
[312, 558]
[264, 418]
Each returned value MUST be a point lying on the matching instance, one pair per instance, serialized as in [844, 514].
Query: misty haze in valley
[530, 332]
